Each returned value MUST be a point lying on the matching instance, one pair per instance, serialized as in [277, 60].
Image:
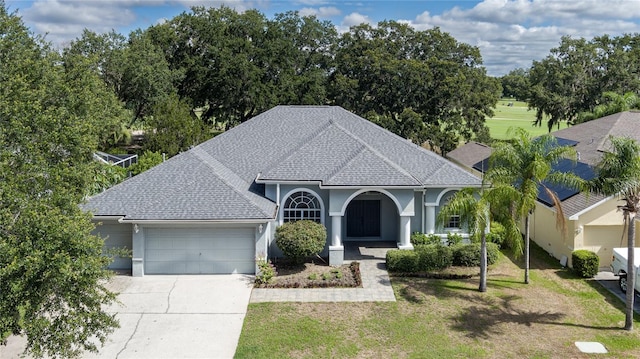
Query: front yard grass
[435, 318]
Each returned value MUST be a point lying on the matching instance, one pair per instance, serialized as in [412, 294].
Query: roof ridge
[294, 149]
[605, 139]
[376, 153]
[342, 165]
[226, 175]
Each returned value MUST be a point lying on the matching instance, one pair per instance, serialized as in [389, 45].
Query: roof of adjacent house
[470, 153]
[593, 136]
[591, 141]
[220, 179]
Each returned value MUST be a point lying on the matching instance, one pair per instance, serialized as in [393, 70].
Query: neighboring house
[593, 222]
[214, 208]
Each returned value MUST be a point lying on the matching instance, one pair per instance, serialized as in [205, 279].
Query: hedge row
[426, 258]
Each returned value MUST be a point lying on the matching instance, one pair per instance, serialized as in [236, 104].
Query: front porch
[369, 217]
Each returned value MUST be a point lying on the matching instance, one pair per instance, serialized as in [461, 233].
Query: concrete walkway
[376, 286]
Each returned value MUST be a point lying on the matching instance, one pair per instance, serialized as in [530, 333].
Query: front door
[363, 218]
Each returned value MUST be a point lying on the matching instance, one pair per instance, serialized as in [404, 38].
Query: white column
[336, 231]
[336, 250]
[431, 219]
[137, 252]
[405, 233]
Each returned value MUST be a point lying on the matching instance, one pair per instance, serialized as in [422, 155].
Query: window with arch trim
[453, 222]
[302, 205]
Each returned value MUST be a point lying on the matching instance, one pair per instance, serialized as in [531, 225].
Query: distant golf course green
[516, 115]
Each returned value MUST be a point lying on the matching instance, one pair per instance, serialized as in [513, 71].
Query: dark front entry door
[363, 218]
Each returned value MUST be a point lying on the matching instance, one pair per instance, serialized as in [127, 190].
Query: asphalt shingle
[219, 179]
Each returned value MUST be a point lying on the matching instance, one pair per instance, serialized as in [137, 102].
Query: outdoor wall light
[260, 228]
[135, 228]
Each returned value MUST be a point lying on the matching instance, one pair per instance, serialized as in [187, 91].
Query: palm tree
[473, 206]
[619, 174]
[525, 164]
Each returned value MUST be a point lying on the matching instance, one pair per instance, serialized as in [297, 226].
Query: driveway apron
[174, 317]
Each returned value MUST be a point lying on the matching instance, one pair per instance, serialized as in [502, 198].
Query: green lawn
[514, 116]
[450, 319]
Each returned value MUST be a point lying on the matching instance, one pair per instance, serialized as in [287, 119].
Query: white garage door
[199, 250]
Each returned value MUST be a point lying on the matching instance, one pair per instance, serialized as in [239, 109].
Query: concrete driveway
[610, 281]
[173, 317]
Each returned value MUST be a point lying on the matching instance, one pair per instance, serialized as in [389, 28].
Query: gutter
[577, 215]
[192, 221]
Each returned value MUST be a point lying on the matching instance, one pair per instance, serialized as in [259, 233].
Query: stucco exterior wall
[599, 230]
[543, 231]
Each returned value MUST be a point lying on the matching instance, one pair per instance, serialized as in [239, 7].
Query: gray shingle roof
[592, 138]
[342, 149]
[216, 180]
[470, 153]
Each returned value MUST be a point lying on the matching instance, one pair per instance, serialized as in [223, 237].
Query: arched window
[302, 205]
[453, 222]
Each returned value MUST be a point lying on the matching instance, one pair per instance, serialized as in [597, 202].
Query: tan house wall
[598, 230]
[545, 234]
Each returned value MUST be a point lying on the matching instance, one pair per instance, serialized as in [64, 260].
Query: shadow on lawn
[483, 320]
[483, 314]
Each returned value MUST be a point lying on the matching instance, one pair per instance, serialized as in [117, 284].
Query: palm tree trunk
[631, 273]
[526, 249]
[483, 263]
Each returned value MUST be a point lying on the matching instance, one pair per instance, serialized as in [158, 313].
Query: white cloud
[356, 19]
[64, 20]
[321, 12]
[513, 33]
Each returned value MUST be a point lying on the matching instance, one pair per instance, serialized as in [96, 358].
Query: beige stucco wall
[599, 230]
[543, 231]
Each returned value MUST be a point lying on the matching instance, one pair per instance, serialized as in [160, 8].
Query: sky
[509, 33]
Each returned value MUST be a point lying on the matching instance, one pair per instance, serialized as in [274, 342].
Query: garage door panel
[199, 250]
[116, 236]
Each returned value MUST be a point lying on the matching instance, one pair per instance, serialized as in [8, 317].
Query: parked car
[619, 267]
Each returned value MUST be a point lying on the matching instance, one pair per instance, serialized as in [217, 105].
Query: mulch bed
[313, 274]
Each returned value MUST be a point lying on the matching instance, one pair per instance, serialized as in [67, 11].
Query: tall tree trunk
[631, 273]
[483, 263]
[526, 249]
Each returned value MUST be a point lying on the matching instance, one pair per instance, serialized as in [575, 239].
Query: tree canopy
[574, 76]
[422, 85]
[51, 267]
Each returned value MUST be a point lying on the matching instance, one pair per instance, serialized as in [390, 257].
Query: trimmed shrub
[468, 255]
[453, 239]
[585, 263]
[400, 260]
[301, 239]
[418, 239]
[433, 257]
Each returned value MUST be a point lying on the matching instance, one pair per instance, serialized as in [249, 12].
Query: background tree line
[580, 80]
[223, 67]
